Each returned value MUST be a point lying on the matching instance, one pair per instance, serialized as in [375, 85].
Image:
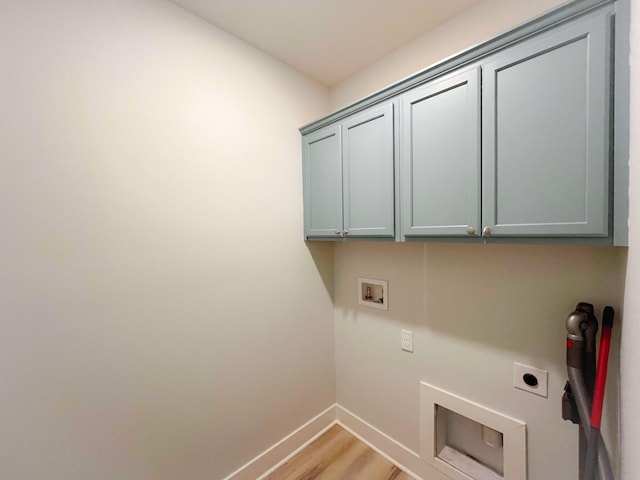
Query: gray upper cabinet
[348, 173]
[440, 157]
[322, 182]
[513, 139]
[368, 173]
[546, 123]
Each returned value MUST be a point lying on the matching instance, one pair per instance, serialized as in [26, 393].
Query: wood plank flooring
[338, 455]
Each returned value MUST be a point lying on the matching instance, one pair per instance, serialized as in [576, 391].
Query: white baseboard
[276, 455]
[392, 450]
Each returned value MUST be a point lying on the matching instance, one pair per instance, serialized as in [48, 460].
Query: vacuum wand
[598, 394]
[582, 327]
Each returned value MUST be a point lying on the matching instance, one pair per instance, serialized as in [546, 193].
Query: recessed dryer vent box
[466, 441]
[373, 293]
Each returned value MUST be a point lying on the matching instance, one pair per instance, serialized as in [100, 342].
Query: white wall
[161, 316]
[474, 310]
[630, 362]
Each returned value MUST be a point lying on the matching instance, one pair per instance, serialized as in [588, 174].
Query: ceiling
[328, 40]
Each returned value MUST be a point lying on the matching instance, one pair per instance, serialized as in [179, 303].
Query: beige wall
[631, 334]
[474, 310]
[161, 316]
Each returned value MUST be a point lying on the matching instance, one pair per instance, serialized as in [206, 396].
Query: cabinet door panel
[440, 157]
[368, 169]
[322, 172]
[546, 157]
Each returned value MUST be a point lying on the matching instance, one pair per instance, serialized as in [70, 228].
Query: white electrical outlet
[406, 340]
[530, 379]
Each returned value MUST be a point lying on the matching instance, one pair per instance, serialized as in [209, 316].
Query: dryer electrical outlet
[530, 379]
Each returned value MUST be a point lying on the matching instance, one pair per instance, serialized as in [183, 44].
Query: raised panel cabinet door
[322, 174]
[368, 173]
[440, 157]
[546, 126]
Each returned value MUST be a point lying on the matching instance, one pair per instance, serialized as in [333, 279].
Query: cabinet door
[322, 173]
[368, 173]
[440, 157]
[545, 131]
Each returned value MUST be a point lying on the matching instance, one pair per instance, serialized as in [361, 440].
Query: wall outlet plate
[530, 379]
[406, 340]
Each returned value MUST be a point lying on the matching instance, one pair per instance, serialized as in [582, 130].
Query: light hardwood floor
[338, 455]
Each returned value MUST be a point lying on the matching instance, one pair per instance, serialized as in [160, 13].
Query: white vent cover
[467, 441]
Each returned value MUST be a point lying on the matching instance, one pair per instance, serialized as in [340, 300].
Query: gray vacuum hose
[583, 402]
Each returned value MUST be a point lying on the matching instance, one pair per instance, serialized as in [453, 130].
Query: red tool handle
[601, 371]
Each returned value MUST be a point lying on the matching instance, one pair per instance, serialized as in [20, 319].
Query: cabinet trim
[547, 20]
